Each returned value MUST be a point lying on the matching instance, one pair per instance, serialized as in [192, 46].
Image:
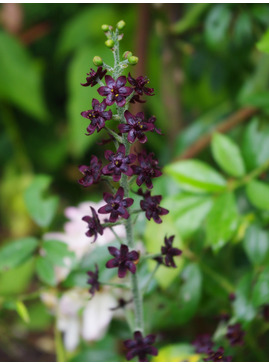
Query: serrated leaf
[227, 154]
[41, 209]
[57, 253]
[22, 311]
[20, 79]
[258, 194]
[222, 221]
[196, 176]
[45, 271]
[17, 252]
[188, 212]
[261, 289]
[256, 244]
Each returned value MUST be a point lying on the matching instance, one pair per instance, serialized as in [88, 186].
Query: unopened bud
[121, 24]
[133, 60]
[105, 27]
[97, 61]
[127, 54]
[109, 43]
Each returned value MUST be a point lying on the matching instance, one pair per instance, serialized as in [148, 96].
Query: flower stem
[60, 354]
[116, 235]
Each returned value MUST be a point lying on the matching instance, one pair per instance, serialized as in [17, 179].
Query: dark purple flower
[148, 168]
[91, 173]
[93, 281]
[139, 85]
[152, 121]
[97, 115]
[123, 259]
[140, 346]
[235, 334]
[116, 205]
[94, 77]
[119, 163]
[115, 91]
[170, 252]
[136, 98]
[94, 225]
[203, 343]
[136, 127]
[150, 205]
[217, 355]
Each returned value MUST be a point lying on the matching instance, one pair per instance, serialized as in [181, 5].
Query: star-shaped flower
[115, 91]
[97, 115]
[93, 280]
[203, 343]
[94, 225]
[151, 205]
[91, 173]
[116, 205]
[139, 85]
[123, 259]
[148, 168]
[235, 334]
[119, 163]
[94, 77]
[217, 355]
[136, 126]
[170, 252]
[140, 346]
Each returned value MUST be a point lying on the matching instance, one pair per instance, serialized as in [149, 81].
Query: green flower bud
[97, 61]
[109, 43]
[133, 60]
[127, 54]
[105, 27]
[121, 24]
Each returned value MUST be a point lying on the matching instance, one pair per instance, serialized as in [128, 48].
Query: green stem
[115, 135]
[253, 174]
[150, 278]
[60, 353]
[117, 285]
[116, 235]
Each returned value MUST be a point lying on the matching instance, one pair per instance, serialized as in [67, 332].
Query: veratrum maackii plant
[124, 169]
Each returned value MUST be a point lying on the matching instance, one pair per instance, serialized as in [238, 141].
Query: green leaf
[190, 19]
[222, 221]
[261, 289]
[22, 311]
[242, 305]
[217, 24]
[188, 212]
[41, 209]
[57, 253]
[177, 353]
[20, 79]
[196, 176]
[227, 155]
[255, 144]
[258, 194]
[17, 252]
[256, 244]
[45, 271]
[263, 44]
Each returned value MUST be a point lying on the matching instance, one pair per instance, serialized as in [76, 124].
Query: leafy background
[209, 65]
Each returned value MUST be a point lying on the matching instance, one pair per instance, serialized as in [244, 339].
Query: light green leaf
[258, 194]
[45, 271]
[196, 176]
[22, 311]
[227, 155]
[263, 44]
[222, 221]
[17, 252]
[217, 24]
[255, 144]
[41, 209]
[177, 353]
[256, 244]
[20, 79]
[261, 289]
[57, 253]
[242, 306]
[188, 212]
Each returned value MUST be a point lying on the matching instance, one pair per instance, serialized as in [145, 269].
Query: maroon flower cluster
[120, 165]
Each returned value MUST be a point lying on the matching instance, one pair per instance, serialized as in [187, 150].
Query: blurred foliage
[205, 62]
